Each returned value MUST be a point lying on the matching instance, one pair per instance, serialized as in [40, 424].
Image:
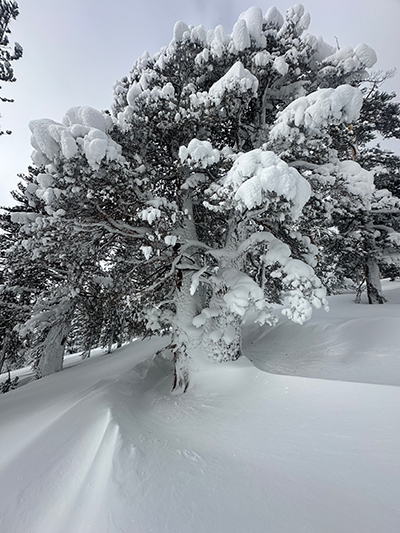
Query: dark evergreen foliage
[8, 11]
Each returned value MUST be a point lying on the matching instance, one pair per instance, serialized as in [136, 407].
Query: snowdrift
[104, 447]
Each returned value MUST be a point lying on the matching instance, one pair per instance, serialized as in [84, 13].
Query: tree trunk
[372, 274]
[3, 353]
[223, 333]
[121, 330]
[51, 359]
[88, 348]
[53, 348]
[181, 369]
[112, 334]
[223, 338]
[110, 342]
[186, 337]
[373, 282]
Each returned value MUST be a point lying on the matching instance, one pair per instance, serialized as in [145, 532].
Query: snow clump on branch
[259, 172]
[238, 79]
[199, 154]
[317, 111]
[83, 129]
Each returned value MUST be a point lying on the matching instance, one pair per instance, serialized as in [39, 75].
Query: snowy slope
[350, 343]
[104, 447]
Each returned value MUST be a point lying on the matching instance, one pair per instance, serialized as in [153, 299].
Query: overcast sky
[74, 51]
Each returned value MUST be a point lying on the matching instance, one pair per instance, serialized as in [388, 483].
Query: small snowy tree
[8, 11]
[21, 280]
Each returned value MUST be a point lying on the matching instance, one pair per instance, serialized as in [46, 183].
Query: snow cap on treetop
[250, 30]
[179, 30]
[254, 21]
[274, 18]
[247, 28]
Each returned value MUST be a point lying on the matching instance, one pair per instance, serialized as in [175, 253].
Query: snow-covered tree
[75, 217]
[380, 118]
[352, 216]
[21, 279]
[212, 120]
[214, 150]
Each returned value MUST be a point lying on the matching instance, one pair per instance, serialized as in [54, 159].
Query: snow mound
[350, 343]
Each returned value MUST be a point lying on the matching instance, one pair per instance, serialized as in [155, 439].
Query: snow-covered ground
[293, 444]
[350, 343]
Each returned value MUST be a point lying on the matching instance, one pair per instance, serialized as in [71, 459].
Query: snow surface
[104, 447]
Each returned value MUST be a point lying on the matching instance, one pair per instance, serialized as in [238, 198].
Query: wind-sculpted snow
[65, 455]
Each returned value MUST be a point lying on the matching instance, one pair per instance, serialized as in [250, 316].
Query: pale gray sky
[75, 50]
